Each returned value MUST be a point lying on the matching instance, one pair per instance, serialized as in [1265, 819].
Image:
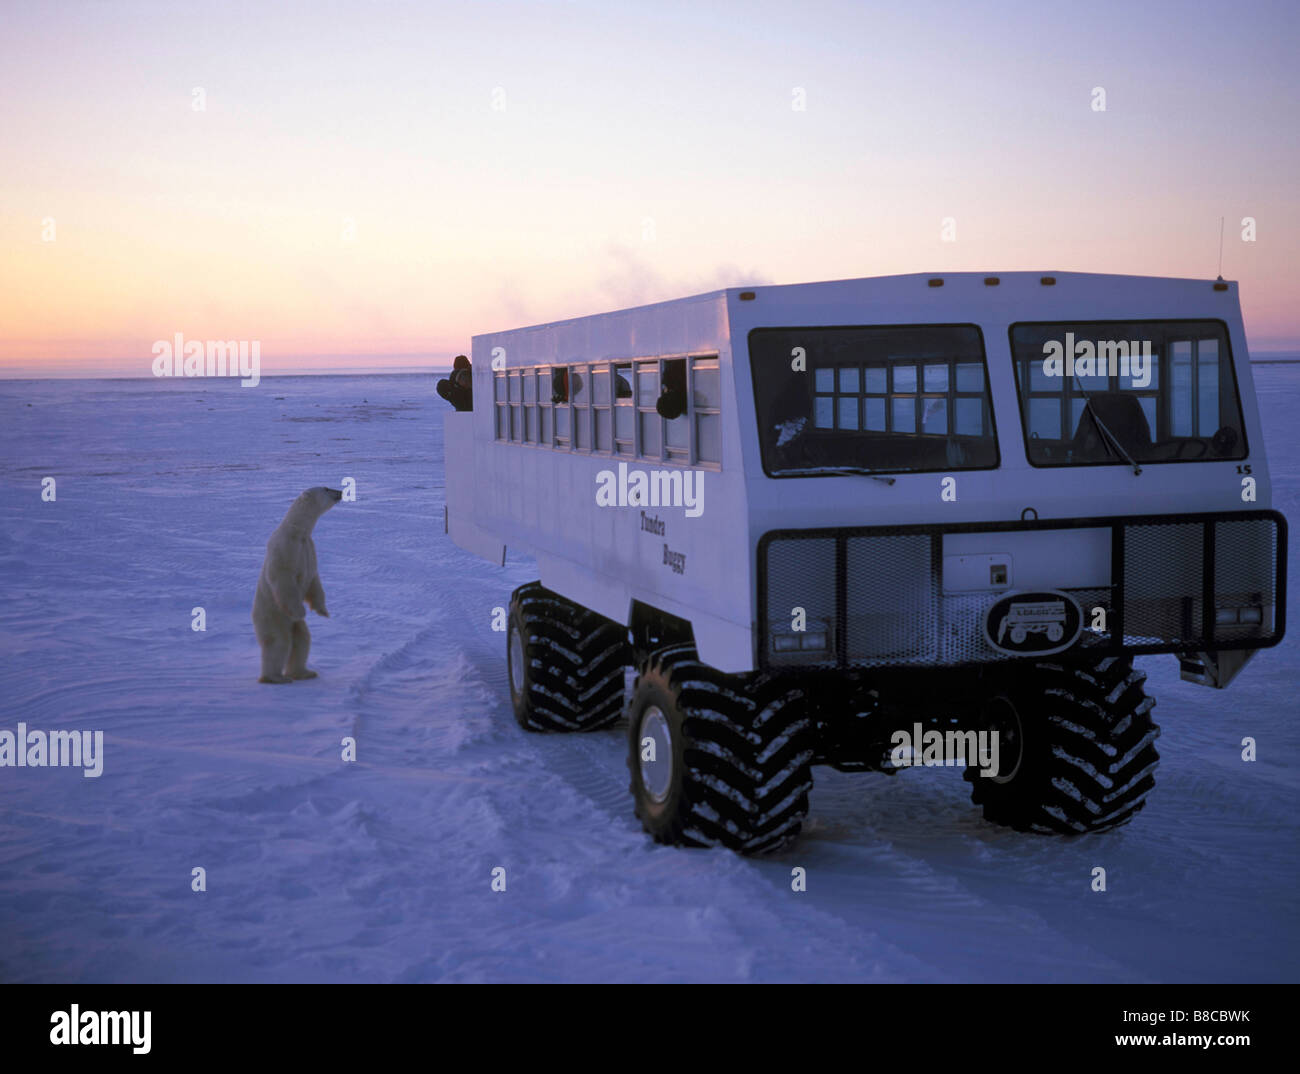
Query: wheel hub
[655, 742]
[1002, 719]
[516, 660]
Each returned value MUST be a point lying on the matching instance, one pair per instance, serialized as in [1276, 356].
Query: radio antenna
[1220, 247]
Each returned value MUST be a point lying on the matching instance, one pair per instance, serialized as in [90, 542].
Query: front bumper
[875, 596]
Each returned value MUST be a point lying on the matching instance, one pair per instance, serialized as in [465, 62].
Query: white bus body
[541, 499]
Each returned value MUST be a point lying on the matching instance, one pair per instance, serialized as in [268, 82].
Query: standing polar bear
[288, 579]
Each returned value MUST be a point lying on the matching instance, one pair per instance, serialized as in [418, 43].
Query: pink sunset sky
[369, 185]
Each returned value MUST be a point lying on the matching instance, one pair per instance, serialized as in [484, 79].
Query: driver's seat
[1122, 414]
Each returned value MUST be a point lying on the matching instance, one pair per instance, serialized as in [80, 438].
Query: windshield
[876, 399]
[1095, 392]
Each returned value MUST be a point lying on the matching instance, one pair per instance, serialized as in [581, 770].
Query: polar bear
[288, 579]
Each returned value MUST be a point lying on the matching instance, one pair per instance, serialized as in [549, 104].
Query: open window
[616, 407]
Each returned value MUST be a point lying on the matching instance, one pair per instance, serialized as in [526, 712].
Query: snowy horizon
[1258, 357]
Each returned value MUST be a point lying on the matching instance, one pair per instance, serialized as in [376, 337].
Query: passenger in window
[671, 403]
[560, 386]
[458, 388]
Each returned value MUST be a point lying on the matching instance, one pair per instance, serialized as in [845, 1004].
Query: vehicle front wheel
[717, 760]
[1076, 748]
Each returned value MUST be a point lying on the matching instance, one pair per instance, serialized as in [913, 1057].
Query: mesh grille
[891, 608]
[875, 597]
[1162, 583]
[1245, 575]
[801, 574]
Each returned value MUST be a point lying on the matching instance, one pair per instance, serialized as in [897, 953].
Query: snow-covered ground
[381, 870]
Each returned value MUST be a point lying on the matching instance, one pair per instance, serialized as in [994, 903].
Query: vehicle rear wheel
[1076, 748]
[717, 760]
[565, 663]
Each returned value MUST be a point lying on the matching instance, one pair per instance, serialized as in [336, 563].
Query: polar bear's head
[323, 497]
[310, 505]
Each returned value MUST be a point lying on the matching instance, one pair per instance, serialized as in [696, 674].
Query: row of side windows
[611, 408]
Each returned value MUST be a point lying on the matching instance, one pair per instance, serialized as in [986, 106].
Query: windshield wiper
[861, 470]
[1107, 435]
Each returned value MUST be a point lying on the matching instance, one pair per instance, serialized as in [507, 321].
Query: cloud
[627, 279]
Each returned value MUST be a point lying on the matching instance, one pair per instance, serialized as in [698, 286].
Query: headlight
[1249, 614]
[795, 641]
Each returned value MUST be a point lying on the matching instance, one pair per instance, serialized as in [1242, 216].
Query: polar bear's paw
[275, 678]
[305, 673]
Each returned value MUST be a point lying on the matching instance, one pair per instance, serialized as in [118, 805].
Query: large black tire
[1086, 757]
[739, 757]
[567, 672]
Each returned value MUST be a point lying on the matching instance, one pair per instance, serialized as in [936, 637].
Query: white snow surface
[380, 870]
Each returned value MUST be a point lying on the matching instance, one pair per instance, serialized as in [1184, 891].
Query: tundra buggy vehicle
[873, 523]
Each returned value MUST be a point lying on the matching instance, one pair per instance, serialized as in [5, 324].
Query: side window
[662, 409]
[706, 395]
[649, 423]
[561, 378]
[516, 405]
[603, 421]
[580, 393]
[502, 402]
[546, 427]
[530, 406]
[677, 428]
[624, 411]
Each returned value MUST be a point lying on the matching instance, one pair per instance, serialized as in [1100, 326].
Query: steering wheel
[1198, 441]
[1224, 440]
